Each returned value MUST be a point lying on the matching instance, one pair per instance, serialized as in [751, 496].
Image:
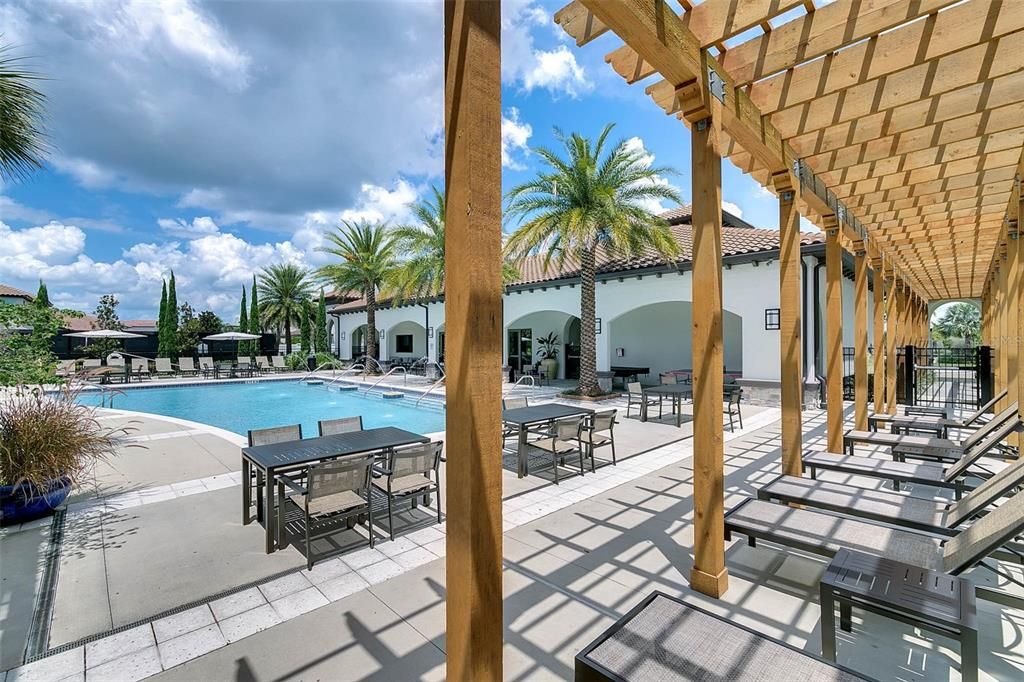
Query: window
[771, 318]
[403, 343]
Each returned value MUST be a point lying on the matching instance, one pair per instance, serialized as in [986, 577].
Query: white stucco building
[643, 312]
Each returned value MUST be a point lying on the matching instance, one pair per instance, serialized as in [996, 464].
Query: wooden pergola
[896, 126]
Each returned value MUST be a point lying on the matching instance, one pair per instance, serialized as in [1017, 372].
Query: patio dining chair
[334, 490]
[186, 365]
[635, 396]
[330, 427]
[140, 368]
[563, 441]
[732, 407]
[407, 474]
[515, 403]
[245, 364]
[597, 432]
[263, 363]
[276, 434]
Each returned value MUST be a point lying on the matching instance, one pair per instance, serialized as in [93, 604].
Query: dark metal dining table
[678, 393]
[270, 460]
[525, 417]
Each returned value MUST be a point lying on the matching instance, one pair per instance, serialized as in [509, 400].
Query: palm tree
[282, 290]
[421, 273]
[960, 321]
[22, 145]
[366, 255]
[585, 203]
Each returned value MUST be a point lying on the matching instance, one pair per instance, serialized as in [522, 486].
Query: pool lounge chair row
[947, 536]
[939, 424]
[186, 366]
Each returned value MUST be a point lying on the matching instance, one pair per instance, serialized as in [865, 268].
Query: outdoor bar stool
[597, 433]
[277, 434]
[407, 473]
[330, 427]
[564, 440]
[335, 489]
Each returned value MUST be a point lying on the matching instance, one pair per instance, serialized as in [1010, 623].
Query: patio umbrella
[232, 336]
[104, 334]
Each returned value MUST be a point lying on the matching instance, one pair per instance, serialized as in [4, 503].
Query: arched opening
[955, 323]
[359, 342]
[657, 336]
[524, 346]
[407, 340]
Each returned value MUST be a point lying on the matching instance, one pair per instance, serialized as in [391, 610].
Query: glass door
[520, 348]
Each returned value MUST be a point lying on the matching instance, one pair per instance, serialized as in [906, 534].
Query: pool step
[392, 395]
[347, 387]
[315, 382]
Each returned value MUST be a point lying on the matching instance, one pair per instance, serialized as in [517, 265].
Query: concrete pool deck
[157, 527]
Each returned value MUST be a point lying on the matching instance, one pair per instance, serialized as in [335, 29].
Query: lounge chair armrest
[378, 471]
[294, 485]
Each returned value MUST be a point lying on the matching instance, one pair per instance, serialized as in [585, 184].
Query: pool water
[239, 407]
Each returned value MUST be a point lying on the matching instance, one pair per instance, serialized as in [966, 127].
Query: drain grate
[39, 628]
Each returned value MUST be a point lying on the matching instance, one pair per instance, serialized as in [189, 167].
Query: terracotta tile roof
[87, 322]
[6, 290]
[738, 238]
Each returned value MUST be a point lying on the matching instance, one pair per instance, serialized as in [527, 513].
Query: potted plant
[549, 354]
[47, 442]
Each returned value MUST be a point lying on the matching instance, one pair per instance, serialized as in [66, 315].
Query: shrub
[295, 361]
[46, 436]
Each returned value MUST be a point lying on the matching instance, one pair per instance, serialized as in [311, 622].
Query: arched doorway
[523, 347]
[359, 342]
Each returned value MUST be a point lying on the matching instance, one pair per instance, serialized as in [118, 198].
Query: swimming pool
[239, 407]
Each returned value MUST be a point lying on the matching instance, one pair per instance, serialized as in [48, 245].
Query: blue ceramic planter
[26, 502]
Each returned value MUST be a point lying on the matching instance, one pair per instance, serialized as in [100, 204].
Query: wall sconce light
[597, 325]
[381, 333]
[430, 332]
[342, 337]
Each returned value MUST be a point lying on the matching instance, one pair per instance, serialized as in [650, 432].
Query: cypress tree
[161, 324]
[254, 319]
[243, 325]
[323, 343]
[42, 299]
[171, 320]
[304, 330]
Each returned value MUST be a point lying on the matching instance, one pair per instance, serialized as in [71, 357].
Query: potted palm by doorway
[549, 354]
[47, 443]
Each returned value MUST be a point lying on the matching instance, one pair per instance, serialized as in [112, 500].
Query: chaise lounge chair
[164, 368]
[207, 367]
[824, 534]
[937, 516]
[277, 362]
[922, 447]
[140, 368]
[66, 368]
[939, 425]
[933, 474]
[186, 365]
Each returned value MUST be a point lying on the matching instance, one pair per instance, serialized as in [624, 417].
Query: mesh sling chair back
[667, 378]
[206, 365]
[186, 365]
[635, 396]
[263, 363]
[163, 366]
[563, 441]
[91, 363]
[330, 427]
[140, 367]
[515, 403]
[598, 432]
[335, 489]
[276, 434]
[413, 471]
[277, 362]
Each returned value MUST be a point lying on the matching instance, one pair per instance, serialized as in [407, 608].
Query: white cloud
[515, 137]
[203, 225]
[522, 62]
[380, 204]
[636, 145]
[12, 210]
[732, 208]
[87, 173]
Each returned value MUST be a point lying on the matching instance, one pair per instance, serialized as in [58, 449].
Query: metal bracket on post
[716, 86]
[702, 124]
[787, 196]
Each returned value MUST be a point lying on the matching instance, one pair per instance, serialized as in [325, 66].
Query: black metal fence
[959, 377]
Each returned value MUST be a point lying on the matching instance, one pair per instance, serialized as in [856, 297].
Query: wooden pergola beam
[974, 35]
[790, 365]
[860, 333]
[833, 335]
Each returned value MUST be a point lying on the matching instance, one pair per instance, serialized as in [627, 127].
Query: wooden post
[890, 341]
[709, 574]
[473, 313]
[1001, 325]
[791, 370]
[860, 341]
[1013, 294]
[834, 333]
[1020, 296]
[878, 334]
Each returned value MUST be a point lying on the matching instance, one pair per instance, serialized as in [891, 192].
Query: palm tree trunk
[371, 323]
[588, 341]
[287, 334]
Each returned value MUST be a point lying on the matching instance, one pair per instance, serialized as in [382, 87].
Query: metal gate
[939, 377]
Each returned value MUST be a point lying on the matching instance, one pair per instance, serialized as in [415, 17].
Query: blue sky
[218, 138]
